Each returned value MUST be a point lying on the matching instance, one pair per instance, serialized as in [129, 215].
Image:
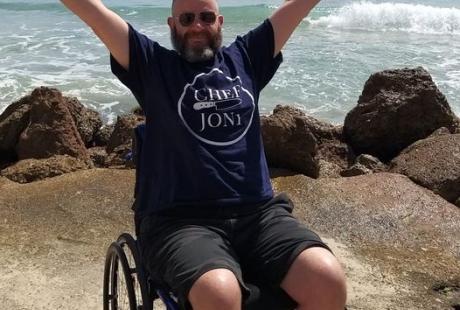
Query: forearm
[299, 9]
[287, 17]
[87, 10]
[108, 26]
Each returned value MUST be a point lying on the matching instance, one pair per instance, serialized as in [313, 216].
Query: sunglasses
[187, 19]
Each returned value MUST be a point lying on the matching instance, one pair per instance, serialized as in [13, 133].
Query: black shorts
[258, 247]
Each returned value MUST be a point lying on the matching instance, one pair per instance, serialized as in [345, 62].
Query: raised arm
[286, 19]
[108, 26]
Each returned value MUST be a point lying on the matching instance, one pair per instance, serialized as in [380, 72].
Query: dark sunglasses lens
[208, 17]
[186, 19]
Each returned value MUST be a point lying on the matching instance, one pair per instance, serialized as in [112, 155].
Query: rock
[102, 136]
[365, 164]
[433, 163]
[123, 132]
[51, 129]
[457, 203]
[439, 132]
[328, 169]
[392, 222]
[300, 142]
[54, 235]
[30, 170]
[355, 170]
[404, 230]
[87, 121]
[120, 157]
[384, 209]
[16, 119]
[396, 108]
[98, 156]
[288, 141]
[12, 122]
[396, 240]
[334, 157]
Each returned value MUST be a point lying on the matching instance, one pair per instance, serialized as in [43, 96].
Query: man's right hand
[107, 25]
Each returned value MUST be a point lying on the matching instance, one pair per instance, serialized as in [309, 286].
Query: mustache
[206, 34]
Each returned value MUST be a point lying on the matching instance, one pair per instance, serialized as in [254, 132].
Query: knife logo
[220, 105]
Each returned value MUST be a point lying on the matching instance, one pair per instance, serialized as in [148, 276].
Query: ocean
[326, 62]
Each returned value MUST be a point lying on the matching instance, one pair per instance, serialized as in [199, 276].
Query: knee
[332, 276]
[216, 289]
[317, 278]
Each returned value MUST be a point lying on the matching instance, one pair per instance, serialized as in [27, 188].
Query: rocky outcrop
[88, 122]
[119, 146]
[405, 231]
[50, 129]
[288, 127]
[38, 126]
[46, 128]
[433, 163]
[398, 242]
[30, 170]
[310, 146]
[396, 108]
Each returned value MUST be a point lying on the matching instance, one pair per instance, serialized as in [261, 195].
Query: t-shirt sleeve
[260, 46]
[141, 59]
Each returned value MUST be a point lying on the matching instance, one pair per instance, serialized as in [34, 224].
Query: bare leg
[216, 289]
[316, 281]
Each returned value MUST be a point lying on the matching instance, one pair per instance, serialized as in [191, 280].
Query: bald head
[181, 5]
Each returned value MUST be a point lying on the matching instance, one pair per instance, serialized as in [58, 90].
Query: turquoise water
[327, 61]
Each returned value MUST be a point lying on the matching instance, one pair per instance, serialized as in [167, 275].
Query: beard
[196, 53]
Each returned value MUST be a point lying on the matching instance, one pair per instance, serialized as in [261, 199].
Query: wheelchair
[127, 284]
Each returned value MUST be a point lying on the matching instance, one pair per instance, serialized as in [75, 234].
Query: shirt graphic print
[217, 109]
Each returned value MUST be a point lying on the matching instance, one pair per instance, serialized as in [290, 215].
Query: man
[208, 221]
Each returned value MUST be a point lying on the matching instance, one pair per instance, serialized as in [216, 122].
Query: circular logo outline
[216, 143]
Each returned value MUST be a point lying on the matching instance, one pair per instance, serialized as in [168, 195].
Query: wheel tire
[142, 290]
[118, 290]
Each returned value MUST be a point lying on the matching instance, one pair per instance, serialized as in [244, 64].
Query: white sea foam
[390, 16]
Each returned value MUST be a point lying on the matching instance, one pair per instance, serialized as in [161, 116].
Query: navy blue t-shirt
[203, 145]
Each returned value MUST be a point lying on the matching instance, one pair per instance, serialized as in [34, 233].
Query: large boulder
[397, 108]
[16, 118]
[302, 143]
[51, 129]
[30, 170]
[288, 141]
[433, 163]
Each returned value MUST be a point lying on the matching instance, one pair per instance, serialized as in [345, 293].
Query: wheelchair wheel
[143, 294]
[125, 284]
[118, 292]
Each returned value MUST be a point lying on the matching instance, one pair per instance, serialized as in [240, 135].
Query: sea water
[326, 62]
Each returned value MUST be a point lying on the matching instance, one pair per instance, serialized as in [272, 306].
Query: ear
[171, 22]
[220, 20]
